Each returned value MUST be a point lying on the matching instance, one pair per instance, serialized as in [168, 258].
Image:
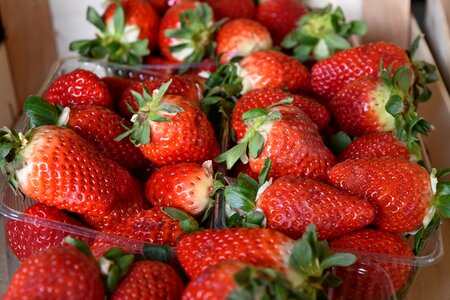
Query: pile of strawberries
[242, 168]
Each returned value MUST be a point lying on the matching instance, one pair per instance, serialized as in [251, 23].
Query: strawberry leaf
[95, 19]
[160, 253]
[40, 111]
[119, 20]
[265, 170]
[255, 145]
[395, 105]
[254, 113]
[339, 142]
[80, 245]
[231, 156]
[186, 221]
[338, 259]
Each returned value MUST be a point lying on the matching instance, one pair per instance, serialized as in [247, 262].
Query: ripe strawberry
[179, 86]
[61, 272]
[165, 66]
[126, 208]
[25, 238]
[287, 136]
[264, 97]
[185, 185]
[241, 37]
[272, 69]
[127, 31]
[280, 16]
[258, 246]
[381, 243]
[374, 145]
[290, 204]
[149, 280]
[401, 190]
[116, 86]
[187, 32]
[55, 166]
[330, 75]
[78, 87]
[171, 130]
[232, 9]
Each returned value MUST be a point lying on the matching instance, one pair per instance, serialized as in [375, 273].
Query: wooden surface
[30, 43]
[9, 111]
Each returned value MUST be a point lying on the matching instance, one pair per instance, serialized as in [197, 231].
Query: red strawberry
[287, 136]
[401, 190]
[184, 185]
[171, 130]
[165, 66]
[272, 69]
[149, 280]
[374, 145]
[186, 32]
[259, 246]
[382, 243]
[55, 166]
[78, 87]
[179, 86]
[127, 32]
[61, 272]
[126, 208]
[240, 37]
[25, 238]
[330, 75]
[280, 16]
[265, 97]
[232, 9]
[290, 204]
[116, 86]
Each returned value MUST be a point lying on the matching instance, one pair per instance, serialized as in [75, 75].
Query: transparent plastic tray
[13, 205]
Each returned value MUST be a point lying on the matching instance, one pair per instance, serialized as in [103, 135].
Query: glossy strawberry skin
[318, 113]
[258, 246]
[214, 283]
[183, 185]
[292, 203]
[241, 37]
[78, 87]
[378, 242]
[150, 280]
[61, 272]
[25, 238]
[141, 14]
[359, 107]
[188, 137]
[400, 189]
[179, 86]
[232, 9]
[59, 171]
[101, 126]
[116, 87]
[330, 75]
[272, 69]
[280, 16]
[375, 145]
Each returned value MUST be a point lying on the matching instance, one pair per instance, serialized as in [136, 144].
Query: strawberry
[232, 9]
[185, 185]
[61, 272]
[287, 136]
[179, 86]
[149, 280]
[116, 86]
[26, 238]
[280, 16]
[272, 69]
[171, 130]
[165, 66]
[401, 190]
[97, 124]
[330, 75]
[78, 87]
[187, 32]
[264, 97]
[127, 32]
[240, 37]
[290, 204]
[55, 166]
[366, 241]
[374, 145]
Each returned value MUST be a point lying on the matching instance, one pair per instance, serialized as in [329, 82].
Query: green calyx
[114, 266]
[441, 192]
[424, 73]
[80, 245]
[150, 109]
[321, 33]
[254, 140]
[186, 221]
[40, 112]
[115, 41]
[195, 37]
